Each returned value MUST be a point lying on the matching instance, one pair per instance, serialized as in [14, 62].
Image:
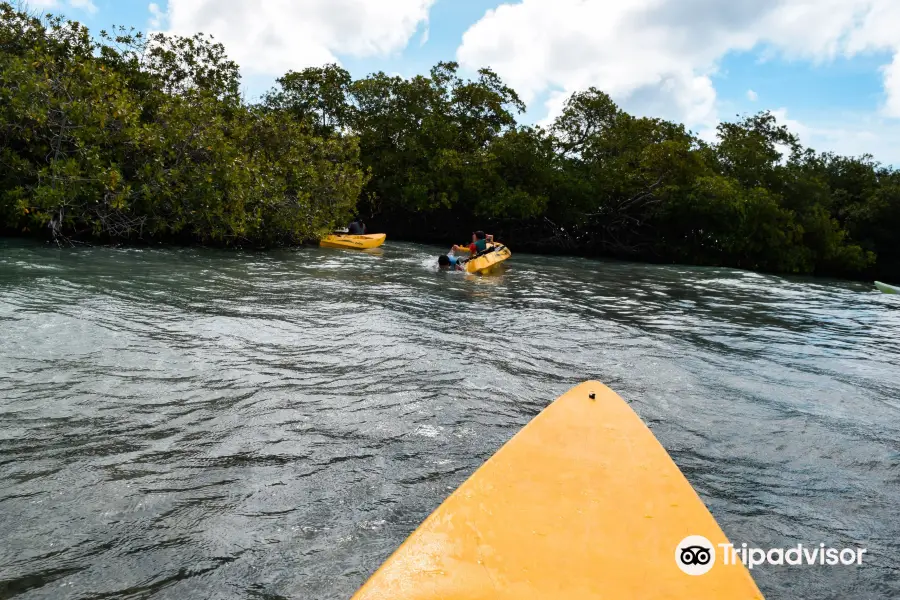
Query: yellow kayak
[583, 503]
[358, 242]
[485, 263]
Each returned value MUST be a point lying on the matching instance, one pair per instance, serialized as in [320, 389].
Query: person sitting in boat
[453, 263]
[479, 243]
[357, 227]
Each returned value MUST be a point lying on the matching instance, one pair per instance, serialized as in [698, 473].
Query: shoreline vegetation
[127, 138]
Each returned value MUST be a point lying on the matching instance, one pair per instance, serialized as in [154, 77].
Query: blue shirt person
[450, 262]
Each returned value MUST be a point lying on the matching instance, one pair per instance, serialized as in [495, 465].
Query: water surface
[191, 423]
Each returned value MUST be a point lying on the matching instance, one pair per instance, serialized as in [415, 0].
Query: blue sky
[824, 67]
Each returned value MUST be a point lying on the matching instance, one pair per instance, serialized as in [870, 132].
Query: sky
[829, 69]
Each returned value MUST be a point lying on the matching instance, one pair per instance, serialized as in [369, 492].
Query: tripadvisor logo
[696, 555]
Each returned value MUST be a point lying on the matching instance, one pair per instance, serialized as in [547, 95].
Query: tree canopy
[135, 138]
[129, 138]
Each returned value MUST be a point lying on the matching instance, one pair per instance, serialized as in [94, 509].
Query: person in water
[454, 263]
[479, 243]
[357, 227]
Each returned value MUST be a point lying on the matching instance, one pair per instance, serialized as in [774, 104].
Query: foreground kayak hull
[887, 289]
[353, 242]
[583, 503]
[486, 263]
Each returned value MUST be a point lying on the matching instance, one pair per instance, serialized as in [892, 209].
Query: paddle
[495, 248]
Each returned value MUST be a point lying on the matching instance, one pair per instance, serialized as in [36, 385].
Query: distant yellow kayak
[358, 242]
[583, 503]
[485, 263]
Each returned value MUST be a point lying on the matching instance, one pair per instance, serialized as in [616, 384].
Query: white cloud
[86, 5]
[272, 36]
[656, 57]
[892, 87]
[425, 35]
[752, 96]
[157, 16]
[848, 135]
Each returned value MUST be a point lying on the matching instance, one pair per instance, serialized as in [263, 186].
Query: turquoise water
[192, 423]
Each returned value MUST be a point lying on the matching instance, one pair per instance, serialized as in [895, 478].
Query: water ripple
[187, 423]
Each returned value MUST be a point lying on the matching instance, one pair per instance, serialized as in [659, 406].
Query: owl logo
[695, 555]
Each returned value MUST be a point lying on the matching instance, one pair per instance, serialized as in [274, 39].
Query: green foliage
[149, 139]
[439, 142]
[720, 222]
[749, 150]
[132, 137]
[318, 96]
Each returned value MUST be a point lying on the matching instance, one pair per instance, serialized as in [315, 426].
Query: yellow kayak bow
[583, 503]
